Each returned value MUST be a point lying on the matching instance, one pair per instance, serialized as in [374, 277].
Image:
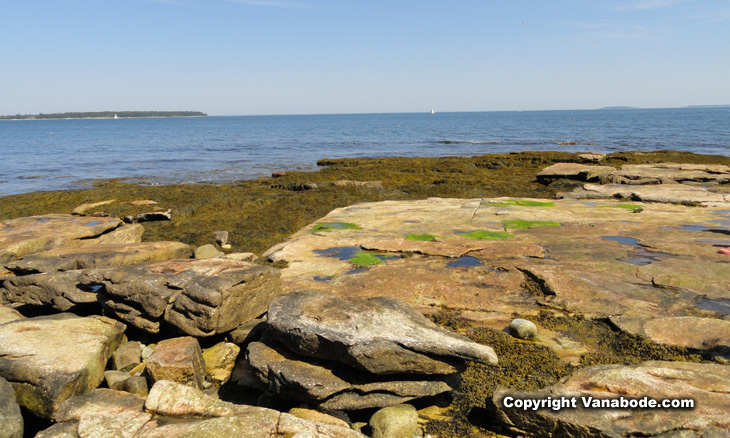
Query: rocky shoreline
[593, 275]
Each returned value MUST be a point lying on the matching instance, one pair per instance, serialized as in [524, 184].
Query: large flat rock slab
[708, 385]
[490, 258]
[19, 237]
[52, 358]
[98, 256]
[669, 193]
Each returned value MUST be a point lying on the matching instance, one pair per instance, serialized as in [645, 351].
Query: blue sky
[236, 57]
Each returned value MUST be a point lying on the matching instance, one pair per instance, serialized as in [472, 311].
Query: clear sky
[236, 57]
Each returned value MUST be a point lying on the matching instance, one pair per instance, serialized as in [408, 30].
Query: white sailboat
[116, 116]
[432, 111]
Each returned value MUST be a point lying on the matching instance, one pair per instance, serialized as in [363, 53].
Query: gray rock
[208, 252]
[287, 376]
[522, 329]
[136, 385]
[127, 356]
[49, 359]
[97, 256]
[179, 360]
[707, 384]
[247, 332]
[380, 335]
[115, 379]
[399, 421]
[221, 237]
[10, 418]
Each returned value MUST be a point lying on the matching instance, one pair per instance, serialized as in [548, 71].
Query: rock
[154, 216]
[221, 237]
[8, 314]
[592, 156]
[198, 297]
[83, 208]
[10, 418]
[278, 174]
[115, 379]
[179, 360]
[136, 385]
[580, 172]
[124, 234]
[247, 332]
[241, 256]
[399, 421]
[668, 193]
[706, 384]
[141, 202]
[147, 351]
[318, 417]
[207, 252]
[381, 335]
[97, 256]
[365, 184]
[127, 356]
[670, 173]
[220, 360]
[28, 235]
[682, 331]
[287, 376]
[51, 358]
[522, 329]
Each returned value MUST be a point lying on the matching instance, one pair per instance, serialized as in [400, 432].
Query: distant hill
[708, 106]
[104, 115]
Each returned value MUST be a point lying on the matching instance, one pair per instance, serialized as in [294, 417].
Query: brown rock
[364, 184]
[179, 360]
[580, 172]
[8, 314]
[83, 208]
[127, 356]
[28, 235]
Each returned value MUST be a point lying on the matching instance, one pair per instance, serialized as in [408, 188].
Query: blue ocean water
[67, 154]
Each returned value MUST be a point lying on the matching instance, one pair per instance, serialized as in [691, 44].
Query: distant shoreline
[105, 115]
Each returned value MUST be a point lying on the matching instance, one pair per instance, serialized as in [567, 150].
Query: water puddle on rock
[719, 306]
[339, 252]
[464, 261]
[640, 257]
[322, 278]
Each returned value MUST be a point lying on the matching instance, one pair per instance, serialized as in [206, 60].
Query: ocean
[70, 154]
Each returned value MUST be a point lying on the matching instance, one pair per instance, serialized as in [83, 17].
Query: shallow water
[61, 154]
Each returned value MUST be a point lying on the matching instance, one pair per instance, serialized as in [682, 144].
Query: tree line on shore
[103, 114]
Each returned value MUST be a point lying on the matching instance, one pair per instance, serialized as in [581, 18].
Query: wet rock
[28, 235]
[220, 360]
[207, 252]
[179, 360]
[97, 256]
[399, 421]
[51, 358]
[522, 328]
[706, 384]
[380, 335]
[127, 356]
[330, 385]
[83, 208]
[221, 237]
[580, 172]
[8, 314]
[10, 418]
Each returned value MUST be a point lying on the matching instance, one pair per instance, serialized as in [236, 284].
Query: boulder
[522, 328]
[10, 418]
[380, 335]
[395, 422]
[179, 360]
[124, 234]
[328, 384]
[220, 360]
[8, 314]
[671, 173]
[708, 385]
[97, 256]
[127, 356]
[207, 252]
[682, 331]
[28, 235]
[221, 237]
[667, 193]
[197, 297]
[83, 208]
[319, 417]
[49, 359]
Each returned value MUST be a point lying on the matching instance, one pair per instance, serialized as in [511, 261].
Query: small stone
[221, 237]
[522, 329]
[179, 360]
[208, 252]
[147, 351]
[241, 256]
[399, 421]
[115, 379]
[226, 246]
[137, 385]
[127, 356]
[220, 360]
[278, 174]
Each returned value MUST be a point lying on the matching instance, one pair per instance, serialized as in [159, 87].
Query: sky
[250, 57]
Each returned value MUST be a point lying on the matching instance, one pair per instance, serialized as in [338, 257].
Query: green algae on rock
[519, 223]
[421, 237]
[363, 259]
[487, 235]
[522, 203]
[329, 226]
